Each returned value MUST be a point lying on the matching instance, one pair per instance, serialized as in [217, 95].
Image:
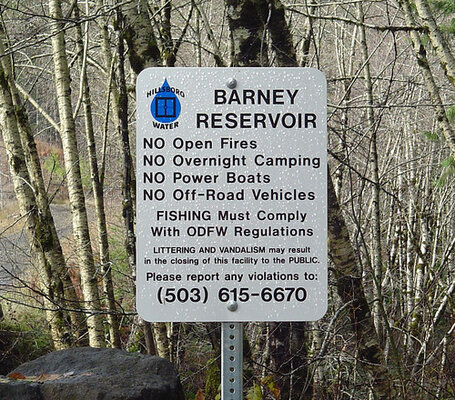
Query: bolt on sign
[231, 194]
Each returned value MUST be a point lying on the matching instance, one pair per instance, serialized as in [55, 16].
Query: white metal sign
[231, 194]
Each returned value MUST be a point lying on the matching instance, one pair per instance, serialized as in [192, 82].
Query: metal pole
[231, 344]
[231, 361]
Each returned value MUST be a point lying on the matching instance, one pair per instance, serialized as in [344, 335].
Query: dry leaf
[199, 395]
[275, 391]
[16, 376]
[268, 381]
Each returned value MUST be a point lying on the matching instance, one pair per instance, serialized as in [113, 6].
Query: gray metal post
[231, 344]
[231, 361]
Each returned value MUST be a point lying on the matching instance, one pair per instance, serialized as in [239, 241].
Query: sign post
[232, 199]
[231, 360]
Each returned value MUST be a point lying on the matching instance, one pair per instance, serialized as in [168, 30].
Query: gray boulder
[86, 373]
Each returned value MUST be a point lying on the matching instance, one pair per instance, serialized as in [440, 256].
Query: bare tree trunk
[148, 336]
[215, 48]
[129, 181]
[319, 381]
[105, 263]
[161, 340]
[422, 61]
[345, 72]
[166, 36]
[307, 36]
[247, 19]
[280, 356]
[301, 385]
[350, 289]
[442, 370]
[421, 266]
[198, 46]
[39, 235]
[376, 228]
[75, 190]
[143, 49]
[120, 108]
[128, 176]
[281, 35]
[441, 47]
[52, 248]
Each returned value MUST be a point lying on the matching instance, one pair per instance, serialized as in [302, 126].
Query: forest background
[67, 187]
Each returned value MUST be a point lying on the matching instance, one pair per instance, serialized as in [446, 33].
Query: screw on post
[231, 83]
[232, 305]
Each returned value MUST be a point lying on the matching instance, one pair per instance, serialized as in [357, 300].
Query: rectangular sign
[231, 194]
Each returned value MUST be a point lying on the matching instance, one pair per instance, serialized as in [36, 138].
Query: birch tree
[105, 263]
[73, 175]
[40, 236]
[440, 45]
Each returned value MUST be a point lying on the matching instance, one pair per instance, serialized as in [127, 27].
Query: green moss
[3, 81]
[21, 115]
[139, 60]
[43, 234]
[212, 380]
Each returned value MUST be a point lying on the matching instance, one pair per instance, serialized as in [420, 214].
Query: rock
[86, 373]
[19, 390]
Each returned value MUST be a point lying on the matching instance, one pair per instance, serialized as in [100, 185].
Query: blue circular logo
[165, 107]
